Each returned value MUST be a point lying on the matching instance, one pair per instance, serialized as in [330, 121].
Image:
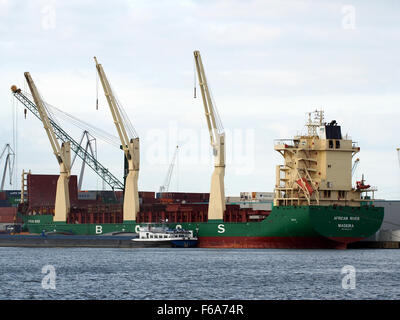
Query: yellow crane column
[62, 153]
[217, 204]
[130, 146]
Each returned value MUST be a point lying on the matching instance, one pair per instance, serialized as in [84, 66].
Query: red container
[188, 197]
[147, 194]
[3, 195]
[8, 214]
[42, 190]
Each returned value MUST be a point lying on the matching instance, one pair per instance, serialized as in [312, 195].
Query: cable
[84, 126]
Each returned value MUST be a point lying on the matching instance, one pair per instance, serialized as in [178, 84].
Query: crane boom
[215, 130]
[167, 181]
[91, 161]
[62, 153]
[217, 205]
[130, 145]
[9, 163]
[125, 141]
[355, 165]
[45, 119]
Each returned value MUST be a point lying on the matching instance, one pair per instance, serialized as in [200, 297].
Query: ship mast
[313, 124]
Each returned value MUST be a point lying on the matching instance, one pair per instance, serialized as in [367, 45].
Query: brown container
[185, 196]
[42, 190]
[8, 214]
[147, 194]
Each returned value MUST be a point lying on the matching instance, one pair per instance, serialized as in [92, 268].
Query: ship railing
[370, 189]
[285, 142]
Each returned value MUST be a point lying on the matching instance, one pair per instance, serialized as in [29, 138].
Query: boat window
[337, 144]
[330, 144]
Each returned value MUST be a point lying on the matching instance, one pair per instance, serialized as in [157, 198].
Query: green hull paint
[288, 221]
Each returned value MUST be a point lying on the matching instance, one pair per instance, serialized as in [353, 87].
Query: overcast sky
[268, 63]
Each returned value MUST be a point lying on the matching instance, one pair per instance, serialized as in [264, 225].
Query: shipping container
[13, 228]
[147, 194]
[4, 203]
[42, 190]
[188, 197]
[8, 215]
[232, 199]
[13, 193]
[87, 195]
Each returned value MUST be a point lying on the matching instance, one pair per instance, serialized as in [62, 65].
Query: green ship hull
[285, 227]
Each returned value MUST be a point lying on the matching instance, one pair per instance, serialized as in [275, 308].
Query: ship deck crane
[62, 153]
[167, 181]
[130, 146]
[88, 158]
[217, 205]
[9, 164]
[355, 165]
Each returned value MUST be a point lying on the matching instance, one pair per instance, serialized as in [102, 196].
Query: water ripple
[95, 273]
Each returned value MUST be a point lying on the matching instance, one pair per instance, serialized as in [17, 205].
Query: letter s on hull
[221, 228]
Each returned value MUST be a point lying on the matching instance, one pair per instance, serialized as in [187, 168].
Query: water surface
[159, 273]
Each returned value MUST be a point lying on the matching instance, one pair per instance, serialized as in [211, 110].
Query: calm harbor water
[95, 273]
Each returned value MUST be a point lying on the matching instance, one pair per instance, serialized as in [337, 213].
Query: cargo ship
[315, 203]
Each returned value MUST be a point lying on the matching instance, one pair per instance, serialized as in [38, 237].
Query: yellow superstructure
[317, 167]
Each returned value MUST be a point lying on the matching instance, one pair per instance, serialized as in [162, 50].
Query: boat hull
[184, 243]
[294, 227]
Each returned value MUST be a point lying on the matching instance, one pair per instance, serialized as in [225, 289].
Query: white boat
[163, 235]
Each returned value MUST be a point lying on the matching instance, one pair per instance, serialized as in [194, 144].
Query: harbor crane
[88, 147]
[216, 205]
[62, 153]
[167, 181]
[130, 146]
[9, 164]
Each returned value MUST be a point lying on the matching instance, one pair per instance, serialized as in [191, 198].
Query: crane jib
[97, 167]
